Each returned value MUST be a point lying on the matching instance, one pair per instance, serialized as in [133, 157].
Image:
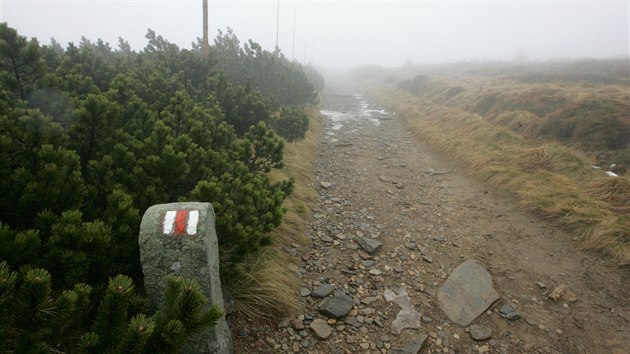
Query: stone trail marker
[180, 239]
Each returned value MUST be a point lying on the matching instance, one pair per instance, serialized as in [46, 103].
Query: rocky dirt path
[392, 222]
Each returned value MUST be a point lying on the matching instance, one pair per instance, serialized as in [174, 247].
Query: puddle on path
[362, 112]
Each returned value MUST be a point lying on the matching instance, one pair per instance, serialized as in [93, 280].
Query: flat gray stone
[479, 332]
[407, 317]
[322, 291]
[304, 292]
[336, 306]
[370, 245]
[410, 347]
[321, 328]
[467, 293]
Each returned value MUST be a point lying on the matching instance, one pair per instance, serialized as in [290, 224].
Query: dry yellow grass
[547, 179]
[263, 288]
[265, 282]
[298, 164]
[615, 191]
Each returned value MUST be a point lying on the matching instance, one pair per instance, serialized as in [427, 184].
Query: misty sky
[343, 34]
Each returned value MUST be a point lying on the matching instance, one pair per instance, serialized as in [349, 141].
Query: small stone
[427, 259]
[243, 333]
[350, 339]
[483, 349]
[369, 300]
[506, 310]
[375, 271]
[368, 263]
[427, 319]
[270, 341]
[479, 332]
[322, 290]
[327, 239]
[541, 285]
[260, 344]
[305, 343]
[370, 245]
[295, 347]
[284, 323]
[304, 292]
[378, 322]
[411, 245]
[325, 184]
[297, 324]
[321, 328]
[557, 292]
[411, 347]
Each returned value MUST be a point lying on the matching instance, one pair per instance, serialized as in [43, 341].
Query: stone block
[180, 239]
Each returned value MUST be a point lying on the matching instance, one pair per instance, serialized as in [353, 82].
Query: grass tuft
[614, 191]
[264, 287]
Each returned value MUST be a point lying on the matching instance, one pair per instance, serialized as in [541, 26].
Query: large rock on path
[467, 293]
[336, 306]
[411, 347]
[368, 244]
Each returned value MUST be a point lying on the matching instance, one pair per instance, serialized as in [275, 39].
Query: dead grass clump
[612, 237]
[555, 158]
[521, 122]
[263, 286]
[595, 123]
[614, 191]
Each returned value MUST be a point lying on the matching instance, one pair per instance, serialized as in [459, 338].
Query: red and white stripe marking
[180, 222]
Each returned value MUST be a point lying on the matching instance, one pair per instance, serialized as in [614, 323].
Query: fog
[343, 34]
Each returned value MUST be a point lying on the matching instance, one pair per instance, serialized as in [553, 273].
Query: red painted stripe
[180, 222]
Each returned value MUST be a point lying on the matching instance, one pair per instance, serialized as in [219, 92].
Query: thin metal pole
[277, 22]
[293, 50]
[206, 45]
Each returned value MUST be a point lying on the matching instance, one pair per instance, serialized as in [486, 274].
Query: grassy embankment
[537, 140]
[266, 288]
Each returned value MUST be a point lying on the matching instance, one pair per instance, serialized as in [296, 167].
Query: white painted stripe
[193, 220]
[169, 221]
